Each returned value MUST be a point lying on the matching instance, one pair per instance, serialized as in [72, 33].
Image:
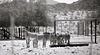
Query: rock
[73, 52]
[22, 48]
[35, 53]
[16, 54]
[7, 49]
[97, 49]
[4, 45]
[30, 51]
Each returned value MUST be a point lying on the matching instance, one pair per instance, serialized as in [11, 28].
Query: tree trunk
[12, 32]
[12, 27]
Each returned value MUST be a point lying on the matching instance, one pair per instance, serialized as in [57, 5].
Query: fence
[19, 33]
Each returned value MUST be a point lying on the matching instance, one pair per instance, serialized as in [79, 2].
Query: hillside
[79, 5]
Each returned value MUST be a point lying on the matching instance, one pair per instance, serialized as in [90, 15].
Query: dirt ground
[19, 48]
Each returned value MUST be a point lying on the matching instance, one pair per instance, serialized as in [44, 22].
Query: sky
[66, 1]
